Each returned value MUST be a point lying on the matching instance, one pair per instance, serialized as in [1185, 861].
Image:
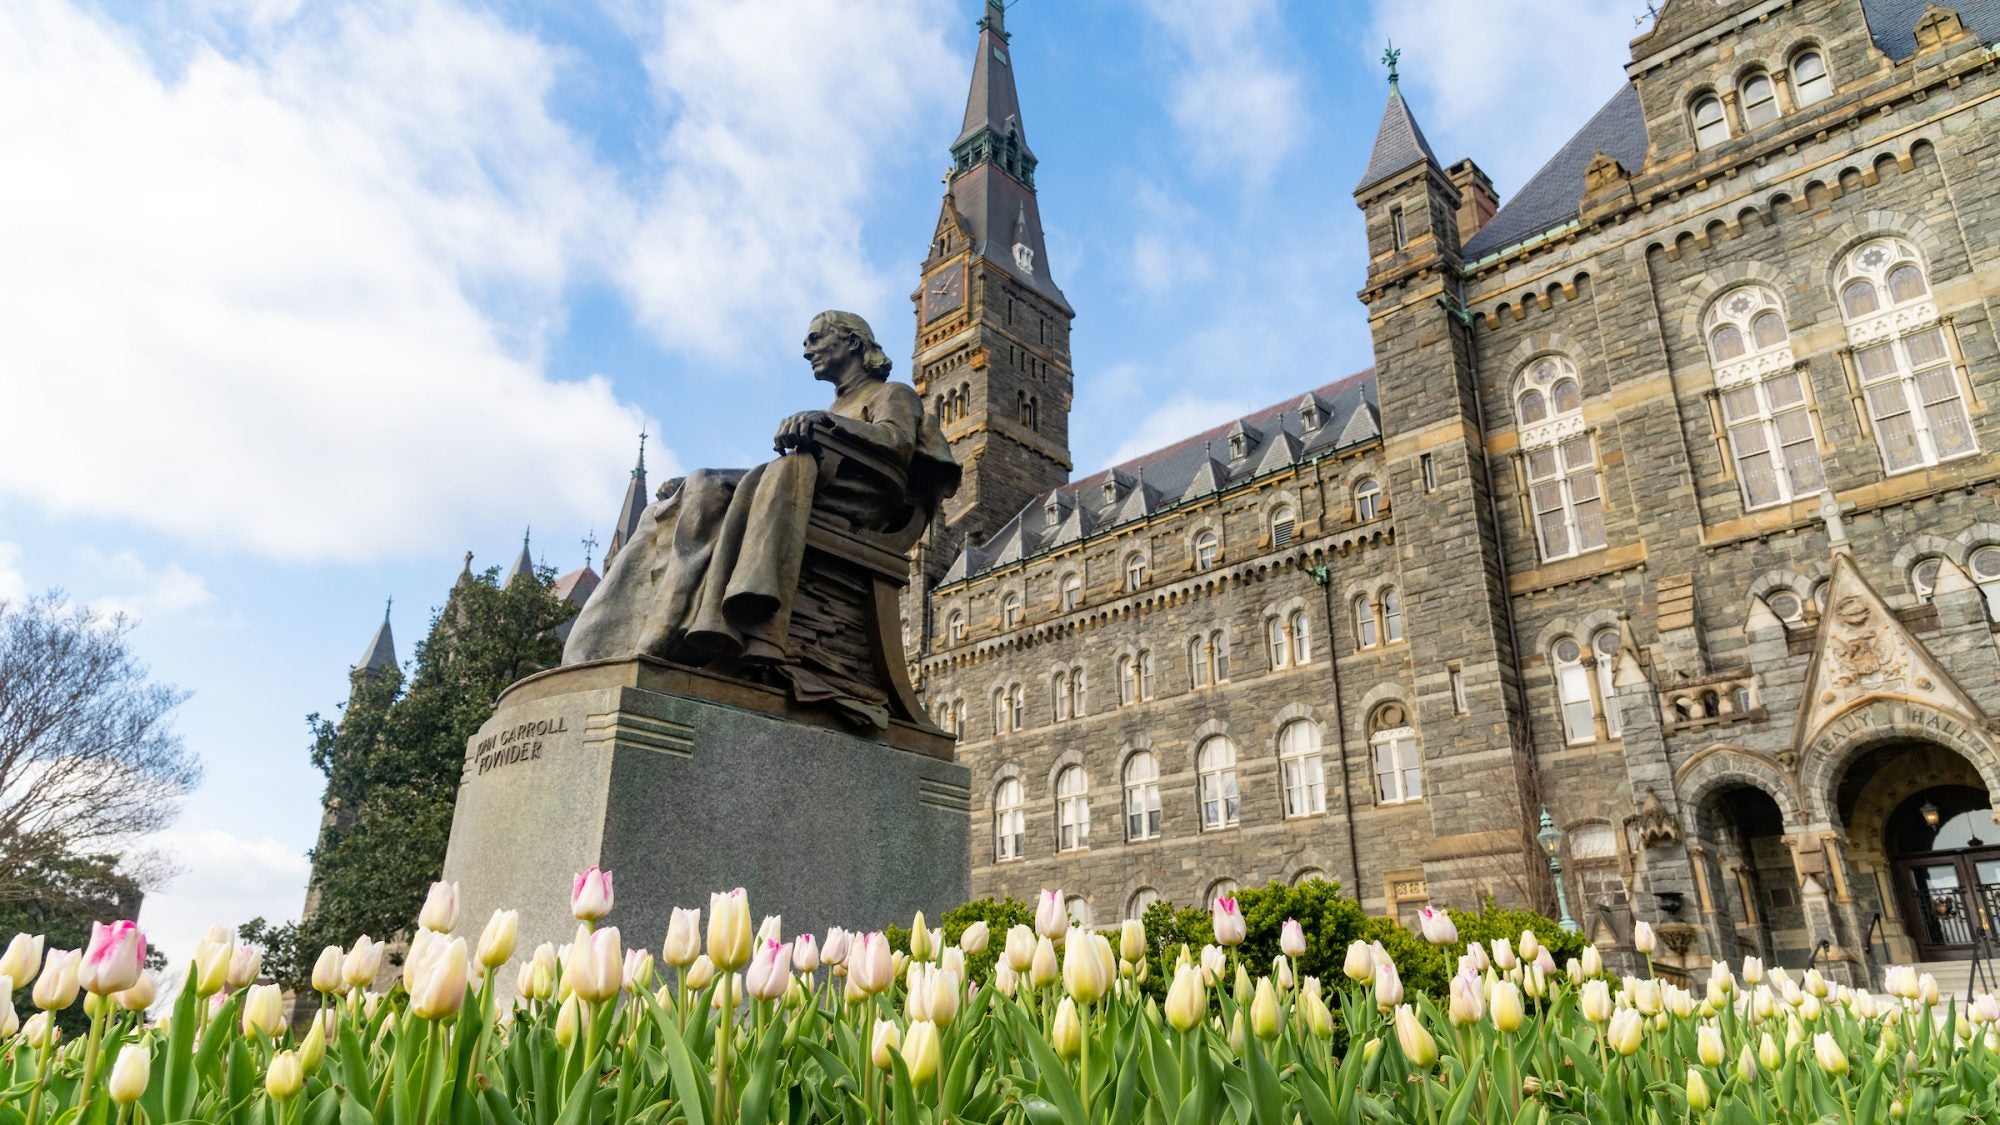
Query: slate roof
[1551, 197]
[1274, 438]
[1398, 143]
[381, 651]
[524, 564]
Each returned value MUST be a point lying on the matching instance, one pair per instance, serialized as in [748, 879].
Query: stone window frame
[1695, 116]
[951, 714]
[1980, 537]
[1792, 84]
[954, 627]
[1143, 680]
[1006, 775]
[1223, 887]
[1154, 806]
[1070, 760]
[1278, 502]
[1554, 434]
[1013, 608]
[1295, 716]
[1368, 493]
[1208, 658]
[1893, 324]
[1071, 579]
[1744, 78]
[1287, 634]
[1227, 781]
[1201, 531]
[1381, 736]
[1127, 582]
[1802, 585]
[1134, 907]
[1585, 631]
[1306, 874]
[1760, 369]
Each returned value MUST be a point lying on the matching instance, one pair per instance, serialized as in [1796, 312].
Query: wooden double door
[1951, 902]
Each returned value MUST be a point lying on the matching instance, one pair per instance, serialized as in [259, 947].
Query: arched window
[1563, 484]
[1215, 762]
[1924, 576]
[1903, 357]
[1142, 797]
[1605, 644]
[1367, 633]
[1079, 911]
[1218, 654]
[1759, 98]
[1135, 573]
[1573, 687]
[1072, 592]
[1059, 691]
[1141, 899]
[1010, 611]
[1283, 523]
[1072, 809]
[1145, 674]
[954, 627]
[1281, 649]
[1367, 500]
[1128, 681]
[1399, 767]
[1711, 125]
[1984, 565]
[958, 718]
[1000, 712]
[1198, 662]
[1080, 701]
[1810, 80]
[1392, 615]
[1206, 546]
[1786, 606]
[1301, 631]
[1221, 888]
[1763, 399]
[1301, 770]
[1010, 820]
[1017, 702]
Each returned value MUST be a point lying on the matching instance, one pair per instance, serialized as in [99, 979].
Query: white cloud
[13, 583]
[223, 878]
[1240, 105]
[1177, 418]
[290, 298]
[1470, 63]
[132, 587]
[783, 110]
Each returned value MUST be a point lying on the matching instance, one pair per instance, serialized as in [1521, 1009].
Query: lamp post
[1551, 839]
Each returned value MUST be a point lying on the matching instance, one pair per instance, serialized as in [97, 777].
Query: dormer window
[1239, 446]
[1760, 100]
[1111, 489]
[1309, 416]
[1053, 513]
[1711, 126]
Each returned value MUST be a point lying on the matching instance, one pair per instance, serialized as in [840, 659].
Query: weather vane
[590, 544]
[1652, 13]
[1389, 59]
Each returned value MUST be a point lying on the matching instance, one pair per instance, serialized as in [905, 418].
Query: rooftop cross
[1830, 513]
[387, 608]
[1390, 56]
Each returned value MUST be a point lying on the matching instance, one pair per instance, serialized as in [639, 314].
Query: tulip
[1697, 1091]
[569, 1019]
[590, 895]
[263, 1011]
[1467, 1004]
[496, 942]
[1044, 970]
[1625, 1031]
[1827, 1051]
[1753, 970]
[1746, 1064]
[1051, 917]
[1281, 971]
[1643, 938]
[1646, 997]
[596, 968]
[1507, 1011]
[23, 959]
[140, 996]
[729, 930]
[1360, 966]
[923, 946]
[56, 988]
[1230, 928]
[113, 959]
[1814, 983]
[698, 975]
[975, 938]
[1187, 1000]
[284, 1077]
[1708, 1045]
[637, 971]
[1901, 981]
[1477, 952]
[440, 911]
[1213, 962]
[211, 969]
[131, 1072]
[363, 962]
[1437, 926]
[1132, 941]
[326, 975]
[1019, 952]
[683, 942]
[1319, 1020]
[944, 988]
[1292, 939]
[1067, 1034]
[1768, 1053]
[246, 963]
[1503, 955]
[883, 1044]
[920, 1051]
[1006, 979]
[770, 971]
[871, 966]
[1388, 985]
[41, 1032]
[805, 953]
[1417, 1045]
[1087, 967]
[1927, 989]
[953, 958]
[1528, 945]
[833, 950]
[1264, 1022]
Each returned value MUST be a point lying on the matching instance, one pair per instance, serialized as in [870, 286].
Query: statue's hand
[796, 432]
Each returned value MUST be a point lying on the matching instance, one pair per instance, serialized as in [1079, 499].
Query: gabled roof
[1184, 471]
[1398, 143]
[1552, 196]
[576, 586]
[1892, 23]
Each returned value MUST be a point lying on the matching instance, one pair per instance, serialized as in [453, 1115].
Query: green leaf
[689, 1085]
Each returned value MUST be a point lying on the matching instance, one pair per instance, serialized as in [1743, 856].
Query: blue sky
[301, 302]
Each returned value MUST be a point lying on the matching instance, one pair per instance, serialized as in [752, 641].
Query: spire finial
[589, 546]
[524, 539]
[387, 608]
[1390, 56]
[640, 470]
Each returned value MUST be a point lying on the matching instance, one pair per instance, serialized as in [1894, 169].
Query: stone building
[1668, 506]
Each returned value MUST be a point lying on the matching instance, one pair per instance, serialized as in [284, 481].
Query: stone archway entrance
[1922, 837]
[1751, 888]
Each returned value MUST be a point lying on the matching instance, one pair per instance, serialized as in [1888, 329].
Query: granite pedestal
[682, 784]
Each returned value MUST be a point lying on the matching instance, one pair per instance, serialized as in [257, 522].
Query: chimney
[1476, 198]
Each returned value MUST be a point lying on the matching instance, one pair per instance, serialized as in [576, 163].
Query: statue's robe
[711, 574]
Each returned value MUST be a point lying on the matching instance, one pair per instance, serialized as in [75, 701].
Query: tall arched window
[1605, 645]
[1142, 898]
[1367, 499]
[1206, 547]
[1903, 357]
[1218, 655]
[1142, 796]
[1810, 80]
[1128, 680]
[1145, 673]
[954, 627]
[1079, 697]
[1198, 665]
[1711, 125]
[1763, 398]
[1301, 631]
[1059, 691]
[1759, 98]
[1367, 633]
[1215, 762]
[1072, 809]
[1000, 712]
[1010, 611]
[1924, 577]
[1301, 770]
[1560, 462]
[1135, 573]
[1392, 615]
[1072, 592]
[1017, 706]
[1010, 820]
[1399, 766]
[1573, 686]
[1281, 649]
[1079, 911]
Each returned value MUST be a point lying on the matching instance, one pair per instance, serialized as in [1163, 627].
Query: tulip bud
[113, 959]
[698, 975]
[1086, 972]
[1281, 971]
[1360, 966]
[1768, 1053]
[883, 1044]
[1388, 984]
[10, 1021]
[1066, 1036]
[805, 953]
[1643, 938]
[246, 963]
[362, 963]
[637, 972]
[869, 965]
[590, 895]
[729, 930]
[569, 1019]
[1831, 1058]
[945, 987]
[1044, 970]
[1213, 962]
[1468, 1002]
[770, 971]
[440, 990]
[326, 975]
[1051, 915]
[23, 959]
[1187, 1000]
[973, 940]
[1708, 1045]
[496, 942]
[140, 996]
[440, 910]
[1529, 945]
[56, 988]
[1132, 941]
[1264, 1021]
[131, 1072]
[1319, 1020]
[1292, 939]
[1626, 1031]
[600, 972]
[284, 1077]
[1019, 951]
[1230, 928]
[1927, 989]
[1697, 1090]
[263, 1011]
[1508, 1013]
[920, 1051]
[1416, 1043]
[1593, 961]
[41, 1032]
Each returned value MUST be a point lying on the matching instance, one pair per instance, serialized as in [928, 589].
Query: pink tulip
[1292, 939]
[114, 958]
[770, 971]
[1437, 927]
[834, 950]
[871, 967]
[805, 953]
[1230, 929]
[1051, 915]
[590, 898]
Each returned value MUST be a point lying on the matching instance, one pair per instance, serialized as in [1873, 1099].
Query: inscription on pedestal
[521, 742]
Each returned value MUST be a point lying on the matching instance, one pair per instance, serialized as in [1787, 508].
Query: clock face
[944, 292]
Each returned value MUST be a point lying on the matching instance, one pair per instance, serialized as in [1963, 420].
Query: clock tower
[992, 359]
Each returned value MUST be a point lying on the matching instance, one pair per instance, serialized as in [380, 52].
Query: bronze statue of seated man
[712, 576]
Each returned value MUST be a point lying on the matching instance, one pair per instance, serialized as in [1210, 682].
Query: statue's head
[841, 334]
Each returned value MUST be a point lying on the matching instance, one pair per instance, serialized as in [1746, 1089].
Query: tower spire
[1399, 144]
[630, 509]
[524, 564]
[381, 652]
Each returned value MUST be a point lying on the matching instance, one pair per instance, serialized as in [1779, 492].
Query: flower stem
[90, 1052]
[724, 1032]
[41, 1082]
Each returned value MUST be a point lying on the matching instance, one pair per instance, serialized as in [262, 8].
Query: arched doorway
[1751, 886]
[1920, 823]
